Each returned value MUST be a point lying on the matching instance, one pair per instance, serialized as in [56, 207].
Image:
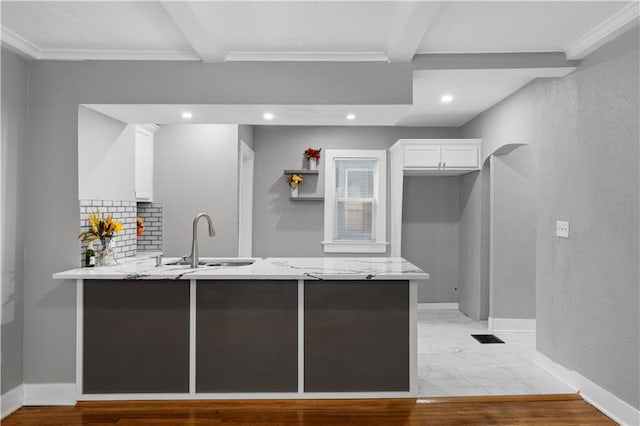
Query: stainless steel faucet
[195, 257]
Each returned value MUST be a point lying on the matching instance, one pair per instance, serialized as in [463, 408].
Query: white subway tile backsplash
[151, 214]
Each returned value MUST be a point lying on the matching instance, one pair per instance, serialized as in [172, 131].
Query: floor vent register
[486, 338]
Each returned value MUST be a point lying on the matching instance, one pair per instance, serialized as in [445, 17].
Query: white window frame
[379, 243]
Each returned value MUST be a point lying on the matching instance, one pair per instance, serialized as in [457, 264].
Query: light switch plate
[562, 229]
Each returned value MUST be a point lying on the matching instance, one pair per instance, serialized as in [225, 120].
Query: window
[355, 204]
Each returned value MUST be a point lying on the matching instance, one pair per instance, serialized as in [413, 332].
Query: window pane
[354, 220]
[355, 178]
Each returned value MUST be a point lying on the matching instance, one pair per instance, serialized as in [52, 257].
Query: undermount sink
[215, 262]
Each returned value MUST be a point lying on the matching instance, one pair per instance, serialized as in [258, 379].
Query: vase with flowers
[294, 180]
[312, 156]
[103, 229]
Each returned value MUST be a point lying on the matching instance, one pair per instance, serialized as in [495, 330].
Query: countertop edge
[312, 268]
[315, 277]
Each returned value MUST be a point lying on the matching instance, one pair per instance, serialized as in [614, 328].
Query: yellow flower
[99, 227]
[294, 180]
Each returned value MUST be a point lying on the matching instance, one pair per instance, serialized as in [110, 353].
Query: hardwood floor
[562, 409]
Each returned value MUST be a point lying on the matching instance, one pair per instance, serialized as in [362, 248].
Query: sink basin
[230, 263]
[215, 262]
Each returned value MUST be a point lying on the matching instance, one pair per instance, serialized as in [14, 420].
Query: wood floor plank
[563, 409]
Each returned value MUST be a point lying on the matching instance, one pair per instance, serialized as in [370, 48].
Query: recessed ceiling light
[351, 116]
[268, 116]
[187, 115]
[446, 98]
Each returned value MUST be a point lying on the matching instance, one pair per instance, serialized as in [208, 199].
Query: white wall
[106, 157]
[195, 170]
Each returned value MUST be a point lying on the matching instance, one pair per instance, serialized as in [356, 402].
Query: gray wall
[14, 121]
[195, 169]
[584, 130]
[513, 242]
[430, 218]
[470, 231]
[295, 228]
[106, 157]
[51, 156]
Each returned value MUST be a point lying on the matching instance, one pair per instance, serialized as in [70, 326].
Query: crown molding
[20, 44]
[306, 56]
[116, 55]
[30, 50]
[604, 32]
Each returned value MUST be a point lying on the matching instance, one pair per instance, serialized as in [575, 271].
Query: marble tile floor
[452, 363]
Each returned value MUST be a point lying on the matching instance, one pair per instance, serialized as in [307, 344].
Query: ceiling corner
[20, 44]
[408, 29]
[194, 31]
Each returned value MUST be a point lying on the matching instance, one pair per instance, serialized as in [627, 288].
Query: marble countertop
[290, 268]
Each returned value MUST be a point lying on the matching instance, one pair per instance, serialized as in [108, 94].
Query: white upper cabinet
[422, 156]
[446, 155]
[144, 161]
[460, 156]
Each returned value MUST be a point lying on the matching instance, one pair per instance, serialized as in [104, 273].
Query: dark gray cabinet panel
[356, 336]
[136, 336]
[247, 336]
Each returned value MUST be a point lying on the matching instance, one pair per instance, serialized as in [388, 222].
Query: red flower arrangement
[310, 153]
[139, 226]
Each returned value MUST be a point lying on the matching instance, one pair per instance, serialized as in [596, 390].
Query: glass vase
[294, 192]
[313, 164]
[106, 255]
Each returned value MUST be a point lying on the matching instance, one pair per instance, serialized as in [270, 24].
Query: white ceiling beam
[411, 24]
[604, 32]
[194, 31]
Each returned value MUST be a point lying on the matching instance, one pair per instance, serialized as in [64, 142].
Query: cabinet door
[144, 165]
[246, 336]
[427, 156]
[460, 157]
[136, 336]
[356, 336]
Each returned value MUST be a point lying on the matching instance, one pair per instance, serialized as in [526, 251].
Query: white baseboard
[603, 400]
[11, 401]
[49, 394]
[519, 325]
[437, 306]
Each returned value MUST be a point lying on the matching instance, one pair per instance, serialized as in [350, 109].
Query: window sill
[354, 247]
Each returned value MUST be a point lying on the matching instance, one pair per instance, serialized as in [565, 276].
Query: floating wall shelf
[301, 172]
[304, 172]
[306, 198]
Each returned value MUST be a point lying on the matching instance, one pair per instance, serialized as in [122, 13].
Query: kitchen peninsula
[277, 328]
